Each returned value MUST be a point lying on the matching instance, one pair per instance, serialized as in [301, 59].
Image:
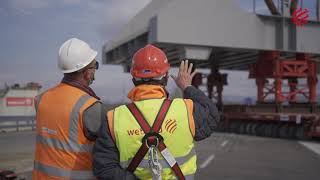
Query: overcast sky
[32, 31]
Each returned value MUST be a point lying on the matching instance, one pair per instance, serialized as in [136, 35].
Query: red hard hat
[149, 62]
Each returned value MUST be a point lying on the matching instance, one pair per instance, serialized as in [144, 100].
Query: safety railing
[17, 123]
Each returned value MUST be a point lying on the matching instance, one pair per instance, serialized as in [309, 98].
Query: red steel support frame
[218, 80]
[270, 66]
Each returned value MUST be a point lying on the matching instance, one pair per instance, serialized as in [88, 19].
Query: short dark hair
[163, 81]
[72, 74]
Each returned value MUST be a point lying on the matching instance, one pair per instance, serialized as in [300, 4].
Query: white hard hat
[75, 54]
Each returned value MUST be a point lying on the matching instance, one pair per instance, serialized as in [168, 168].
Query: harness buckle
[152, 139]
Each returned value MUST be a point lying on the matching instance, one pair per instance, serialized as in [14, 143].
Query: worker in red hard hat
[153, 136]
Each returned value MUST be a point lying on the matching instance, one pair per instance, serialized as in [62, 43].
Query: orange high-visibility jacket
[62, 150]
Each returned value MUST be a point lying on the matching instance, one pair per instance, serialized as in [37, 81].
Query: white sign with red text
[19, 101]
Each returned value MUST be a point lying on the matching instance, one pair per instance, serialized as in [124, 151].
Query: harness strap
[146, 129]
[155, 129]
[176, 169]
[137, 158]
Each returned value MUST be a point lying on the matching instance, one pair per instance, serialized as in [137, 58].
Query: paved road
[222, 156]
[239, 157]
[16, 152]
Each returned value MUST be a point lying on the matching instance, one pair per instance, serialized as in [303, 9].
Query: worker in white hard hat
[68, 117]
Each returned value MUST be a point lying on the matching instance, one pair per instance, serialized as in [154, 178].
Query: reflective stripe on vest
[69, 174]
[145, 163]
[189, 177]
[66, 146]
[71, 144]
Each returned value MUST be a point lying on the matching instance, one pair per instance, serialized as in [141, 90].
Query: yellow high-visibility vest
[177, 130]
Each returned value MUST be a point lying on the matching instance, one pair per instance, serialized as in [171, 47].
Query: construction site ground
[223, 156]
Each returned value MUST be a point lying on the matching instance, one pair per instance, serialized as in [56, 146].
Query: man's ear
[86, 75]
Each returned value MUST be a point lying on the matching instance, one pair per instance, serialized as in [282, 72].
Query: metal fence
[17, 123]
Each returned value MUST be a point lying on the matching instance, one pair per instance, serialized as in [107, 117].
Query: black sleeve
[205, 113]
[106, 157]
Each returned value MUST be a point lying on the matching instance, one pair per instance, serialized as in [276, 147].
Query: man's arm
[106, 157]
[205, 113]
[92, 120]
